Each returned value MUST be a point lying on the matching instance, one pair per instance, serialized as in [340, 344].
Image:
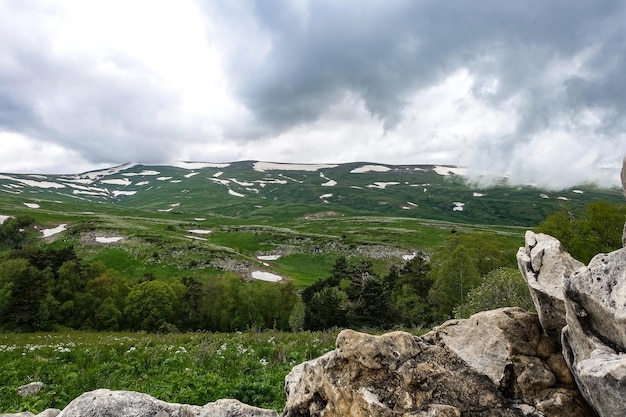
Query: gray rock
[594, 341]
[50, 412]
[464, 368]
[106, 403]
[30, 389]
[624, 176]
[544, 264]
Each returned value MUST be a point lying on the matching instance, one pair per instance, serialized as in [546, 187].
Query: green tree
[327, 308]
[26, 306]
[107, 295]
[150, 305]
[296, 318]
[502, 287]
[453, 276]
[598, 229]
[16, 232]
[190, 304]
[410, 287]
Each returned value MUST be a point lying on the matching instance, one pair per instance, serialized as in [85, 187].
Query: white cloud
[21, 154]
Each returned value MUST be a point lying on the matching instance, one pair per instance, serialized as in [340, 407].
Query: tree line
[42, 287]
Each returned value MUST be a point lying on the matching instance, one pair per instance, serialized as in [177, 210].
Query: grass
[194, 368]
[305, 269]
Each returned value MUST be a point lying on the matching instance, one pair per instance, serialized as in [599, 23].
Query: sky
[534, 90]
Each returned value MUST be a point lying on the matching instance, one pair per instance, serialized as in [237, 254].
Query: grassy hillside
[204, 220]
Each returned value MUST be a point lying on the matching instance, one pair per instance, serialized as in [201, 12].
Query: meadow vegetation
[191, 368]
[192, 326]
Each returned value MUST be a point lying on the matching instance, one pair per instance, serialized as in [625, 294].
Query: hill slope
[275, 192]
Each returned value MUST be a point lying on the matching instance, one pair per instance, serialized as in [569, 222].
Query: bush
[502, 287]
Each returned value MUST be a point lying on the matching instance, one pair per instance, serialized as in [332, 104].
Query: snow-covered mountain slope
[253, 188]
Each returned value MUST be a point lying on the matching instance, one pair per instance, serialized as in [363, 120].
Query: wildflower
[131, 349]
[263, 361]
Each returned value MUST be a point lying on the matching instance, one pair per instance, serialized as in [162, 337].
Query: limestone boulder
[594, 340]
[50, 412]
[493, 364]
[107, 403]
[31, 389]
[544, 264]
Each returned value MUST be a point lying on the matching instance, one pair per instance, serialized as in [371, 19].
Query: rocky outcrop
[544, 264]
[594, 340]
[496, 363]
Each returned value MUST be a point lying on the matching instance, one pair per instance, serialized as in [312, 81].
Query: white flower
[263, 361]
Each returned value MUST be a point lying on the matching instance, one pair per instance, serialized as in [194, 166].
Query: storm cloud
[533, 90]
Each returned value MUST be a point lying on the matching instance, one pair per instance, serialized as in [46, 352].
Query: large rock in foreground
[106, 403]
[475, 367]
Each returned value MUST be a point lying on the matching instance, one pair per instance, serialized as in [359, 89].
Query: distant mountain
[264, 190]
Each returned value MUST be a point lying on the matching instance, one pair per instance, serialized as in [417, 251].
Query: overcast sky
[531, 89]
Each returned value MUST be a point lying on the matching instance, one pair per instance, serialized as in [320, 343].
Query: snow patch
[111, 239]
[268, 257]
[200, 231]
[164, 178]
[235, 193]
[274, 166]
[222, 182]
[218, 174]
[563, 198]
[478, 194]
[77, 192]
[326, 196]
[143, 183]
[544, 195]
[32, 183]
[117, 181]
[441, 170]
[195, 237]
[370, 168]
[117, 193]
[382, 185]
[578, 191]
[242, 183]
[266, 276]
[3, 218]
[51, 232]
[109, 171]
[199, 219]
[458, 206]
[142, 173]
[329, 182]
[410, 203]
[191, 174]
[32, 205]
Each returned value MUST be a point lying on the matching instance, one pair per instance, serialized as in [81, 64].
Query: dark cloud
[384, 51]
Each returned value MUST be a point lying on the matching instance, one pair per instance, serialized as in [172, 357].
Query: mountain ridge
[249, 188]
